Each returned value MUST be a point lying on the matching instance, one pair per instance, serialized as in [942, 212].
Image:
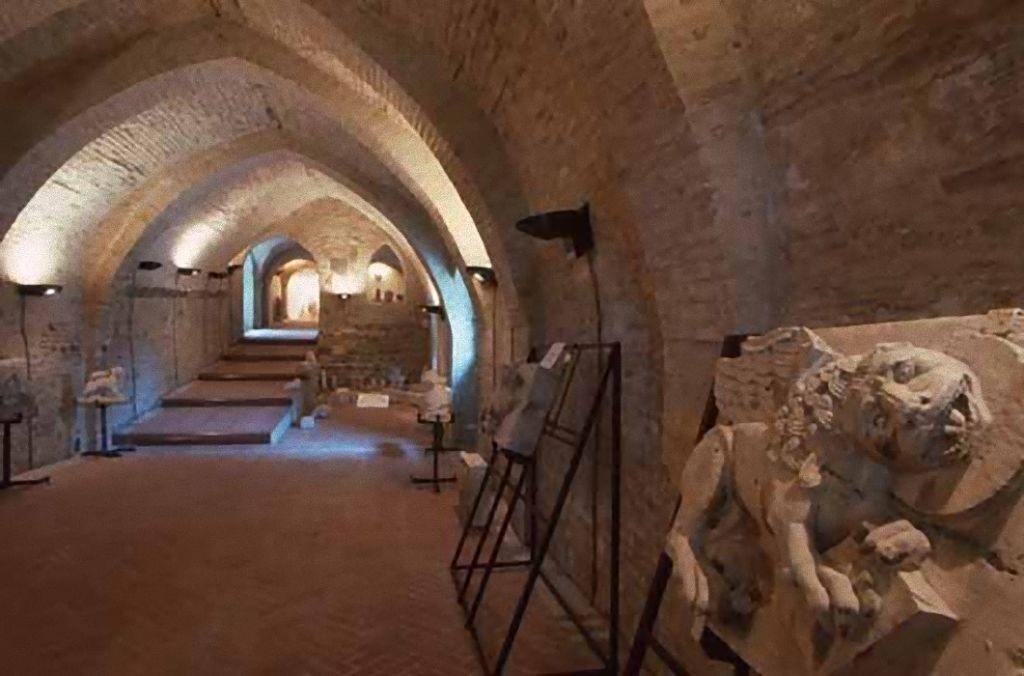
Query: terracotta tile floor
[312, 556]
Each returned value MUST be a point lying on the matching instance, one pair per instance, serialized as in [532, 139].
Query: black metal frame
[611, 377]
[105, 450]
[436, 448]
[645, 638]
[5, 479]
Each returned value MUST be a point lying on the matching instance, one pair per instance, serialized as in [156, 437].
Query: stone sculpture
[521, 405]
[804, 531]
[104, 388]
[15, 401]
[396, 377]
[436, 403]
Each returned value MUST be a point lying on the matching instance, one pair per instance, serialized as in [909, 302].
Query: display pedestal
[436, 448]
[105, 450]
[6, 481]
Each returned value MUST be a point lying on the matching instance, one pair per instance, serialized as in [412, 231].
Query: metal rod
[563, 496]
[496, 548]
[5, 478]
[668, 659]
[487, 529]
[7, 453]
[498, 564]
[472, 513]
[616, 498]
[588, 636]
[649, 616]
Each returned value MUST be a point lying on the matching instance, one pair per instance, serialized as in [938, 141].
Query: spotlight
[482, 274]
[39, 289]
[234, 267]
[573, 226]
[149, 266]
[344, 296]
[189, 272]
[217, 275]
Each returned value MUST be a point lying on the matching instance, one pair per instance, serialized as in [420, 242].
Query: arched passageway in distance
[269, 301]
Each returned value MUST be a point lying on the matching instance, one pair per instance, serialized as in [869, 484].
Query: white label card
[551, 358]
[369, 400]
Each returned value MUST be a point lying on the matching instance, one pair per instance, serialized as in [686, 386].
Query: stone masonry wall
[360, 340]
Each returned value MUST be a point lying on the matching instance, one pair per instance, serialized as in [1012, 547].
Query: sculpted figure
[795, 486]
[104, 387]
[533, 389]
[437, 400]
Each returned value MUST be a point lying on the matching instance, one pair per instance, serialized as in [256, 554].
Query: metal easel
[644, 638]
[5, 480]
[610, 379]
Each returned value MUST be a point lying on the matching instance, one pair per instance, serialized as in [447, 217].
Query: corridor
[314, 555]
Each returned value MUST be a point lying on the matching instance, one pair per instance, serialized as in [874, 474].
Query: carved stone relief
[515, 417]
[843, 458]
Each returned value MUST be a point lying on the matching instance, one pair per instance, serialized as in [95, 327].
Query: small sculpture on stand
[436, 403]
[396, 377]
[435, 409]
[102, 390]
[16, 405]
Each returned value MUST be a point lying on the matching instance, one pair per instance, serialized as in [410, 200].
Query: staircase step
[255, 370]
[225, 425]
[264, 352]
[281, 337]
[238, 393]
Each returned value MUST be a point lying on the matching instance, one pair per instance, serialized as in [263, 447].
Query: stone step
[263, 356]
[255, 370]
[304, 337]
[233, 393]
[226, 425]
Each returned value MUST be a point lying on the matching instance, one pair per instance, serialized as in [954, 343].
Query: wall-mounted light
[217, 275]
[189, 272]
[573, 226]
[482, 274]
[150, 266]
[234, 267]
[434, 310]
[39, 289]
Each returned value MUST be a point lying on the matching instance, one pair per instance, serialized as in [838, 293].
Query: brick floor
[312, 556]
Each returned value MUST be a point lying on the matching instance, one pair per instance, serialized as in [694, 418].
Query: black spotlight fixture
[217, 275]
[482, 274]
[39, 289]
[149, 266]
[433, 310]
[189, 272]
[572, 226]
[234, 267]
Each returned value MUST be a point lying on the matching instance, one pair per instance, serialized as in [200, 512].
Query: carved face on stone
[912, 408]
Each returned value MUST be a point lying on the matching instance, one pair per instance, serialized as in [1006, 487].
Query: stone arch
[178, 32]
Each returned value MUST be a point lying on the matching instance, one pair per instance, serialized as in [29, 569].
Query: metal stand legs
[105, 450]
[611, 380]
[436, 449]
[6, 481]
